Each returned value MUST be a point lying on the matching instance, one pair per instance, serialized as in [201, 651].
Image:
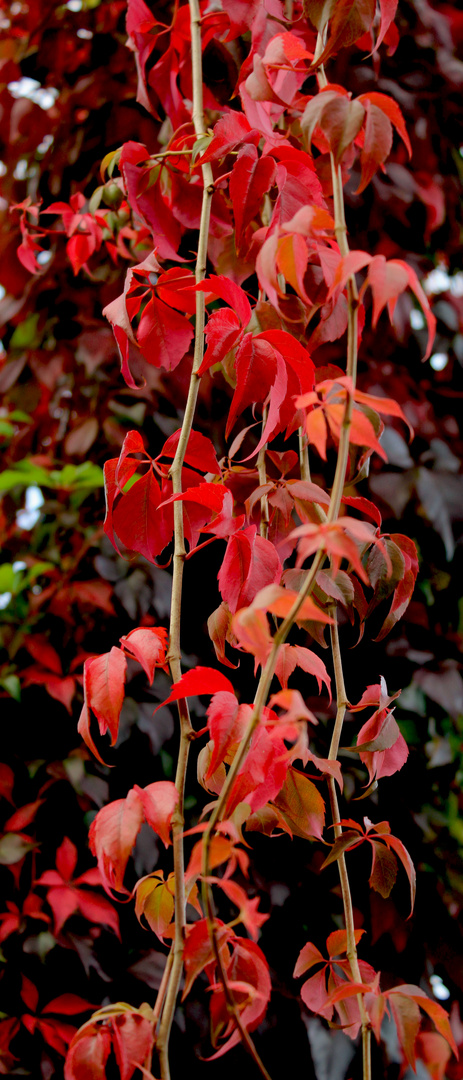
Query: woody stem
[341, 697]
[342, 703]
[174, 655]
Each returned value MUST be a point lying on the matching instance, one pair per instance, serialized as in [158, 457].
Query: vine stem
[341, 696]
[305, 591]
[342, 704]
[261, 468]
[174, 655]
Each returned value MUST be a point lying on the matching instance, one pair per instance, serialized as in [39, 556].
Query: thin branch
[342, 703]
[264, 522]
[341, 696]
[229, 998]
[174, 655]
[305, 591]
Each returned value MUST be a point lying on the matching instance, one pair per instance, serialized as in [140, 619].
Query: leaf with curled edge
[148, 645]
[199, 453]
[198, 950]
[159, 801]
[302, 805]
[384, 870]
[104, 683]
[404, 589]
[219, 630]
[198, 681]
[251, 178]
[248, 971]
[262, 774]
[132, 1042]
[337, 116]
[112, 836]
[250, 563]
[348, 21]
[154, 900]
[227, 721]
[231, 130]
[292, 656]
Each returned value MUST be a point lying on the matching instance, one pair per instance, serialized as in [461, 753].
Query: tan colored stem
[174, 655]
[264, 522]
[304, 465]
[342, 702]
[229, 998]
[285, 627]
[341, 697]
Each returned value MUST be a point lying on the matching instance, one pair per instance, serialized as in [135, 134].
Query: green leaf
[7, 578]
[24, 474]
[12, 686]
[25, 334]
[13, 848]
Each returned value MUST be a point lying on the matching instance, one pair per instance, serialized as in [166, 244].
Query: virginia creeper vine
[261, 190]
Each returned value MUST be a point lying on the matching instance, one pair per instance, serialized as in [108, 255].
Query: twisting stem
[174, 655]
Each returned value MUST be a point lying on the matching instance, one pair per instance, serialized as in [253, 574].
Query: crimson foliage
[98, 318]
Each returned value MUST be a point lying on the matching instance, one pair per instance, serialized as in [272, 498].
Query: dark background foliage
[65, 404]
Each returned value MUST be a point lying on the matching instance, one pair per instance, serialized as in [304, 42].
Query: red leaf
[349, 20]
[251, 178]
[248, 971]
[336, 942]
[400, 850]
[159, 801]
[104, 681]
[97, 909]
[231, 129]
[263, 773]
[163, 335]
[88, 1054]
[314, 994]
[200, 680]
[384, 870]
[387, 104]
[22, 817]
[256, 370]
[251, 630]
[292, 656]
[227, 721]
[377, 142]
[250, 563]
[200, 453]
[138, 522]
[40, 648]
[148, 645]
[223, 331]
[6, 782]
[133, 1042]
[308, 957]
[66, 859]
[67, 1005]
[437, 1014]
[112, 836]
[29, 993]
[302, 805]
[79, 249]
[279, 601]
